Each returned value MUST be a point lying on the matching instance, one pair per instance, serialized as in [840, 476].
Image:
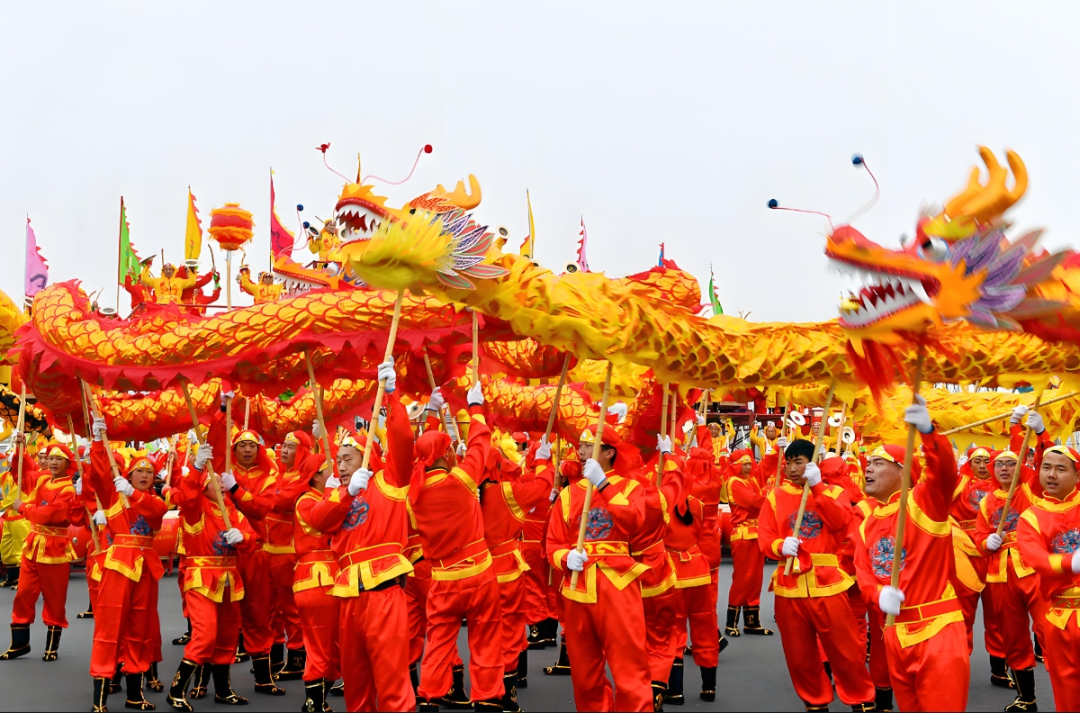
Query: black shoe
[202, 682]
[241, 653]
[883, 699]
[423, 705]
[999, 673]
[20, 642]
[1038, 649]
[863, 707]
[315, 700]
[101, 692]
[184, 638]
[523, 670]
[708, 684]
[277, 659]
[510, 689]
[294, 666]
[549, 631]
[264, 679]
[492, 706]
[811, 708]
[535, 638]
[674, 694]
[457, 699]
[723, 642]
[414, 677]
[12, 579]
[152, 681]
[136, 700]
[114, 683]
[562, 666]
[178, 691]
[52, 644]
[659, 691]
[752, 622]
[731, 627]
[1025, 688]
[223, 692]
[338, 689]
[88, 614]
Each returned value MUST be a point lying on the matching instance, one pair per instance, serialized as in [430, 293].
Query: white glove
[475, 396]
[594, 473]
[123, 486]
[960, 463]
[333, 483]
[663, 444]
[918, 415]
[206, 452]
[436, 402]
[78, 486]
[1076, 562]
[812, 474]
[782, 444]
[553, 496]
[388, 375]
[317, 430]
[461, 449]
[544, 451]
[890, 599]
[701, 419]
[225, 396]
[228, 481]
[359, 481]
[575, 561]
[1035, 420]
[99, 518]
[234, 537]
[98, 429]
[1018, 414]
[791, 547]
[994, 542]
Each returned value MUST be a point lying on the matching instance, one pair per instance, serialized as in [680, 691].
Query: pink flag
[37, 270]
[281, 239]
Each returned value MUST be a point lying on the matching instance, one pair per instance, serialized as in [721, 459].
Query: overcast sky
[657, 122]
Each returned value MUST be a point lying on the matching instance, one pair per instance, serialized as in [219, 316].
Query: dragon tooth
[918, 290]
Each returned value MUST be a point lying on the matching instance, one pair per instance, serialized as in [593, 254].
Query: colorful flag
[37, 270]
[129, 261]
[660, 262]
[716, 308]
[193, 233]
[281, 240]
[582, 261]
[528, 248]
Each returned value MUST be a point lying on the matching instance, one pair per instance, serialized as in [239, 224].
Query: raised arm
[399, 442]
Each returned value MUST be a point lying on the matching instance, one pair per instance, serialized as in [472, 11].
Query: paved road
[751, 676]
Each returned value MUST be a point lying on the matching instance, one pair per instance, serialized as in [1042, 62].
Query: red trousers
[828, 620]
[748, 571]
[374, 654]
[660, 615]
[416, 593]
[50, 581]
[320, 618]
[879, 659]
[181, 577]
[215, 629]
[514, 625]
[612, 632]
[995, 638]
[256, 606]
[1062, 649]
[858, 610]
[285, 620]
[698, 606]
[476, 599]
[92, 585]
[536, 604]
[932, 675]
[1016, 602]
[122, 626]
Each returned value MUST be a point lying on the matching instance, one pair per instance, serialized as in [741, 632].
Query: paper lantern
[231, 226]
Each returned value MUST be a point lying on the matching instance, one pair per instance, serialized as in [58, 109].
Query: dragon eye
[934, 249]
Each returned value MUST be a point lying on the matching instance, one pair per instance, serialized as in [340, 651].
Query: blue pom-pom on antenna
[306, 225]
[857, 160]
[300, 206]
[773, 203]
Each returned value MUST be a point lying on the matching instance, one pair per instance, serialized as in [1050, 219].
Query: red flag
[281, 240]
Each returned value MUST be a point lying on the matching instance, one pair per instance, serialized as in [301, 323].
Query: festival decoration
[231, 226]
[192, 231]
[37, 270]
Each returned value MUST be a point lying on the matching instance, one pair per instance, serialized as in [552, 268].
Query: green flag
[129, 261]
[716, 308]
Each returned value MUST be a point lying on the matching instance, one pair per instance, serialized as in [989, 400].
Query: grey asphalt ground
[751, 675]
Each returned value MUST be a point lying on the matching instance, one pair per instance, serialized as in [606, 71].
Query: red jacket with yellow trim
[817, 571]
[503, 504]
[647, 544]
[315, 520]
[927, 563]
[986, 524]
[683, 540]
[708, 488]
[969, 493]
[1048, 535]
[50, 506]
[746, 494]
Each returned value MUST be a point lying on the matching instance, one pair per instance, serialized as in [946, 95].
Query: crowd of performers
[312, 566]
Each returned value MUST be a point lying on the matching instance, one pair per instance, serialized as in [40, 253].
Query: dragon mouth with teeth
[359, 217]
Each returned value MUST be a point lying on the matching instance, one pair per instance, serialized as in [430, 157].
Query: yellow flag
[528, 247]
[193, 233]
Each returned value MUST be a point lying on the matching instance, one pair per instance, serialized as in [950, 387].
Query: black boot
[277, 659]
[315, 700]
[674, 694]
[114, 683]
[562, 666]
[523, 670]
[493, 705]
[184, 638]
[241, 653]
[723, 642]
[52, 644]
[883, 699]
[863, 708]
[20, 642]
[549, 629]
[731, 627]
[456, 698]
[752, 622]
[223, 692]
[423, 704]
[708, 684]
[202, 683]
[294, 667]
[136, 700]
[264, 679]
[510, 689]
[999, 673]
[659, 690]
[338, 689]
[1038, 649]
[536, 637]
[88, 614]
[12, 579]
[1025, 689]
[152, 681]
[178, 691]
[414, 677]
[811, 708]
[101, 692]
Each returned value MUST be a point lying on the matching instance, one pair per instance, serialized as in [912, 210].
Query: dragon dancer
[169, 288]
[265, 290]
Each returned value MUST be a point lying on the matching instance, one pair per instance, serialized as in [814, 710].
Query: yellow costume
[16, 527]
[167, 290]
[261, 293]
[325, 245]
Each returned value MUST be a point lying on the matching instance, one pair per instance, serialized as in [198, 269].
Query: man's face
[142, 479]
[349, 459]
[584, 451]
[318, 481]
[770, 431]
[247, 452]
[57, 465]
[795, 469]
[1004, 470]
[168, 271]
[42, 460]
[714, 429]
[288, 453]
[267, 279]
[1057, 475]
[882, 478]
[980, 466]
[745, 468]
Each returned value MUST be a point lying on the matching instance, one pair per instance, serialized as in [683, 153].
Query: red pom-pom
[427, 148]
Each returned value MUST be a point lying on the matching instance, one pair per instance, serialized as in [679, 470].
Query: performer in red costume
[603, 615]
[927, 648]
[50, 505]
[444, 505]
[745, 486]
[812, 605]
[705, 481]
[126, 609]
